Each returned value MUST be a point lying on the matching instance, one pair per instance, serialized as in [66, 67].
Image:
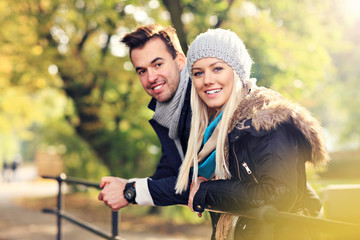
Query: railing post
[63, 215]
[114, 221]
[60, 179]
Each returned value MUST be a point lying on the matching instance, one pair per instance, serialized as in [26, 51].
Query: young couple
[247, 146]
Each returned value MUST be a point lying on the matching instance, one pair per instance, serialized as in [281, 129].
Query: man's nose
[152, 75]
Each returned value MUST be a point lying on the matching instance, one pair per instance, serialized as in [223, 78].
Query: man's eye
[158, 64]
[141, 72]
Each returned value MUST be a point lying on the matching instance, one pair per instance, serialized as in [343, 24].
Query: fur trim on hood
[268, 109]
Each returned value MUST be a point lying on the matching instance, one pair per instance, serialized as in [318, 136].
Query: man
[159, 61]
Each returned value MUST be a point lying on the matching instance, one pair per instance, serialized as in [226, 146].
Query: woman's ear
[181, 60]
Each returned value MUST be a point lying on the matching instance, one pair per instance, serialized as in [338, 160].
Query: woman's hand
[193, 190]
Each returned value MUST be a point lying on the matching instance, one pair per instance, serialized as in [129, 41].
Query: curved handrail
[63, 215]
[267, 215]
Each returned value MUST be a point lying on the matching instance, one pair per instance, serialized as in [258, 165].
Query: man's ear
[181, 60]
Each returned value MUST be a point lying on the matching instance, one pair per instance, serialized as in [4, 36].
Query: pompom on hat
[224, 45]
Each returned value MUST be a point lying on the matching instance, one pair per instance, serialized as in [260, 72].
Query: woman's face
[213, 81]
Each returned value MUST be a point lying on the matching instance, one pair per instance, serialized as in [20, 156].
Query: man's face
[159, 73]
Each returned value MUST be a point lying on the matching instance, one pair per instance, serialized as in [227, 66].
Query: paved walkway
[18, 223]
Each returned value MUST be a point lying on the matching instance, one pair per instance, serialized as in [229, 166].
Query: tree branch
[224, 14]
[175, 9]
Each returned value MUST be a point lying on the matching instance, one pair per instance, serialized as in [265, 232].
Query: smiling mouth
[157, 87]
[213, 91]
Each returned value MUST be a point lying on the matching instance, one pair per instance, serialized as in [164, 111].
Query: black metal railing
[61, 214]
[268, 217]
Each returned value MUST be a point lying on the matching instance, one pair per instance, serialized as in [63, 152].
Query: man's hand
[193, 190]
[112, 193]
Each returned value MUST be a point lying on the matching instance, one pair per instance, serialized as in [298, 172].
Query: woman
[250, 141]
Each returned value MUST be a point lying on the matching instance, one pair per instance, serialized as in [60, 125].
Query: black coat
[267, 151]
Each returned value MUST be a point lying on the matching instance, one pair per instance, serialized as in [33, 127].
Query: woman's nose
[208, 79]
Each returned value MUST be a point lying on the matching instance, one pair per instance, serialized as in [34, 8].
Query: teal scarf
[207, 166]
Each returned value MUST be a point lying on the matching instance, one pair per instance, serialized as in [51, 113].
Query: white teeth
[213, 91]
[157, 87]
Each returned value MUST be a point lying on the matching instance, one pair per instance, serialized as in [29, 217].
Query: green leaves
[62, 65]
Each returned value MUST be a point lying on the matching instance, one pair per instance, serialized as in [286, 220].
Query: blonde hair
[199, 122]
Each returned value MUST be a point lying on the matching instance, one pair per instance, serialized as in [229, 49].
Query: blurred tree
[348, 93]
[193, 17]
[345, 113]
[64, 68]
[287, 40]
[73, 46]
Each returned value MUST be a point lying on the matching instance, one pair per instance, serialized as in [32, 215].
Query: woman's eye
[197, 74]
[216, 69]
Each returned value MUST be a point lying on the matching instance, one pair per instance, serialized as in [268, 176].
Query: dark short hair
[142, 34]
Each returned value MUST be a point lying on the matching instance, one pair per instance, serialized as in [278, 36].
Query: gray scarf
[168, 114]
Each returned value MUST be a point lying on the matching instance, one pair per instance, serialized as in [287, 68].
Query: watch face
[129, 193]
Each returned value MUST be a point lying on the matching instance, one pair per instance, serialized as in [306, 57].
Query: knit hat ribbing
[224, 45]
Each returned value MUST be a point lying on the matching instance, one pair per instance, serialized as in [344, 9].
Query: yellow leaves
[3, 4]
[26, 78]
[5, 125]
[51, 103]
[5, 66]
[20, 110]
[11, 100]
[111, 95]
[41, 83]
[37, 50]
[45, 4]
[17, 106]
[16, 109]
[124, 126]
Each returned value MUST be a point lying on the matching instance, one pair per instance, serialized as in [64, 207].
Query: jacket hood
[268, 109]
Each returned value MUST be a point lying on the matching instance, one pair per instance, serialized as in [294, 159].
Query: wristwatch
[130, 192]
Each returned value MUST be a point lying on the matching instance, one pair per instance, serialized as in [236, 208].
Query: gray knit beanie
[224, 45]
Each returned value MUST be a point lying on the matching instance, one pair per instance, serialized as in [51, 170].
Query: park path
[19, 223]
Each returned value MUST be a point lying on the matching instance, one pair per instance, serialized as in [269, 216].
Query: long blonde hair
[199, 122]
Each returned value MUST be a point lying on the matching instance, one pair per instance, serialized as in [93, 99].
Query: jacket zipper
[248, 170]
[244, 164]
[237, 162]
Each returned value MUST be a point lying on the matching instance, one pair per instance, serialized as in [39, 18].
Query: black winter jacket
[269, 141]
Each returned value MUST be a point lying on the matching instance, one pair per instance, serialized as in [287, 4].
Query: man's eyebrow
[138, 68]
[154, 60]
[158, 58]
